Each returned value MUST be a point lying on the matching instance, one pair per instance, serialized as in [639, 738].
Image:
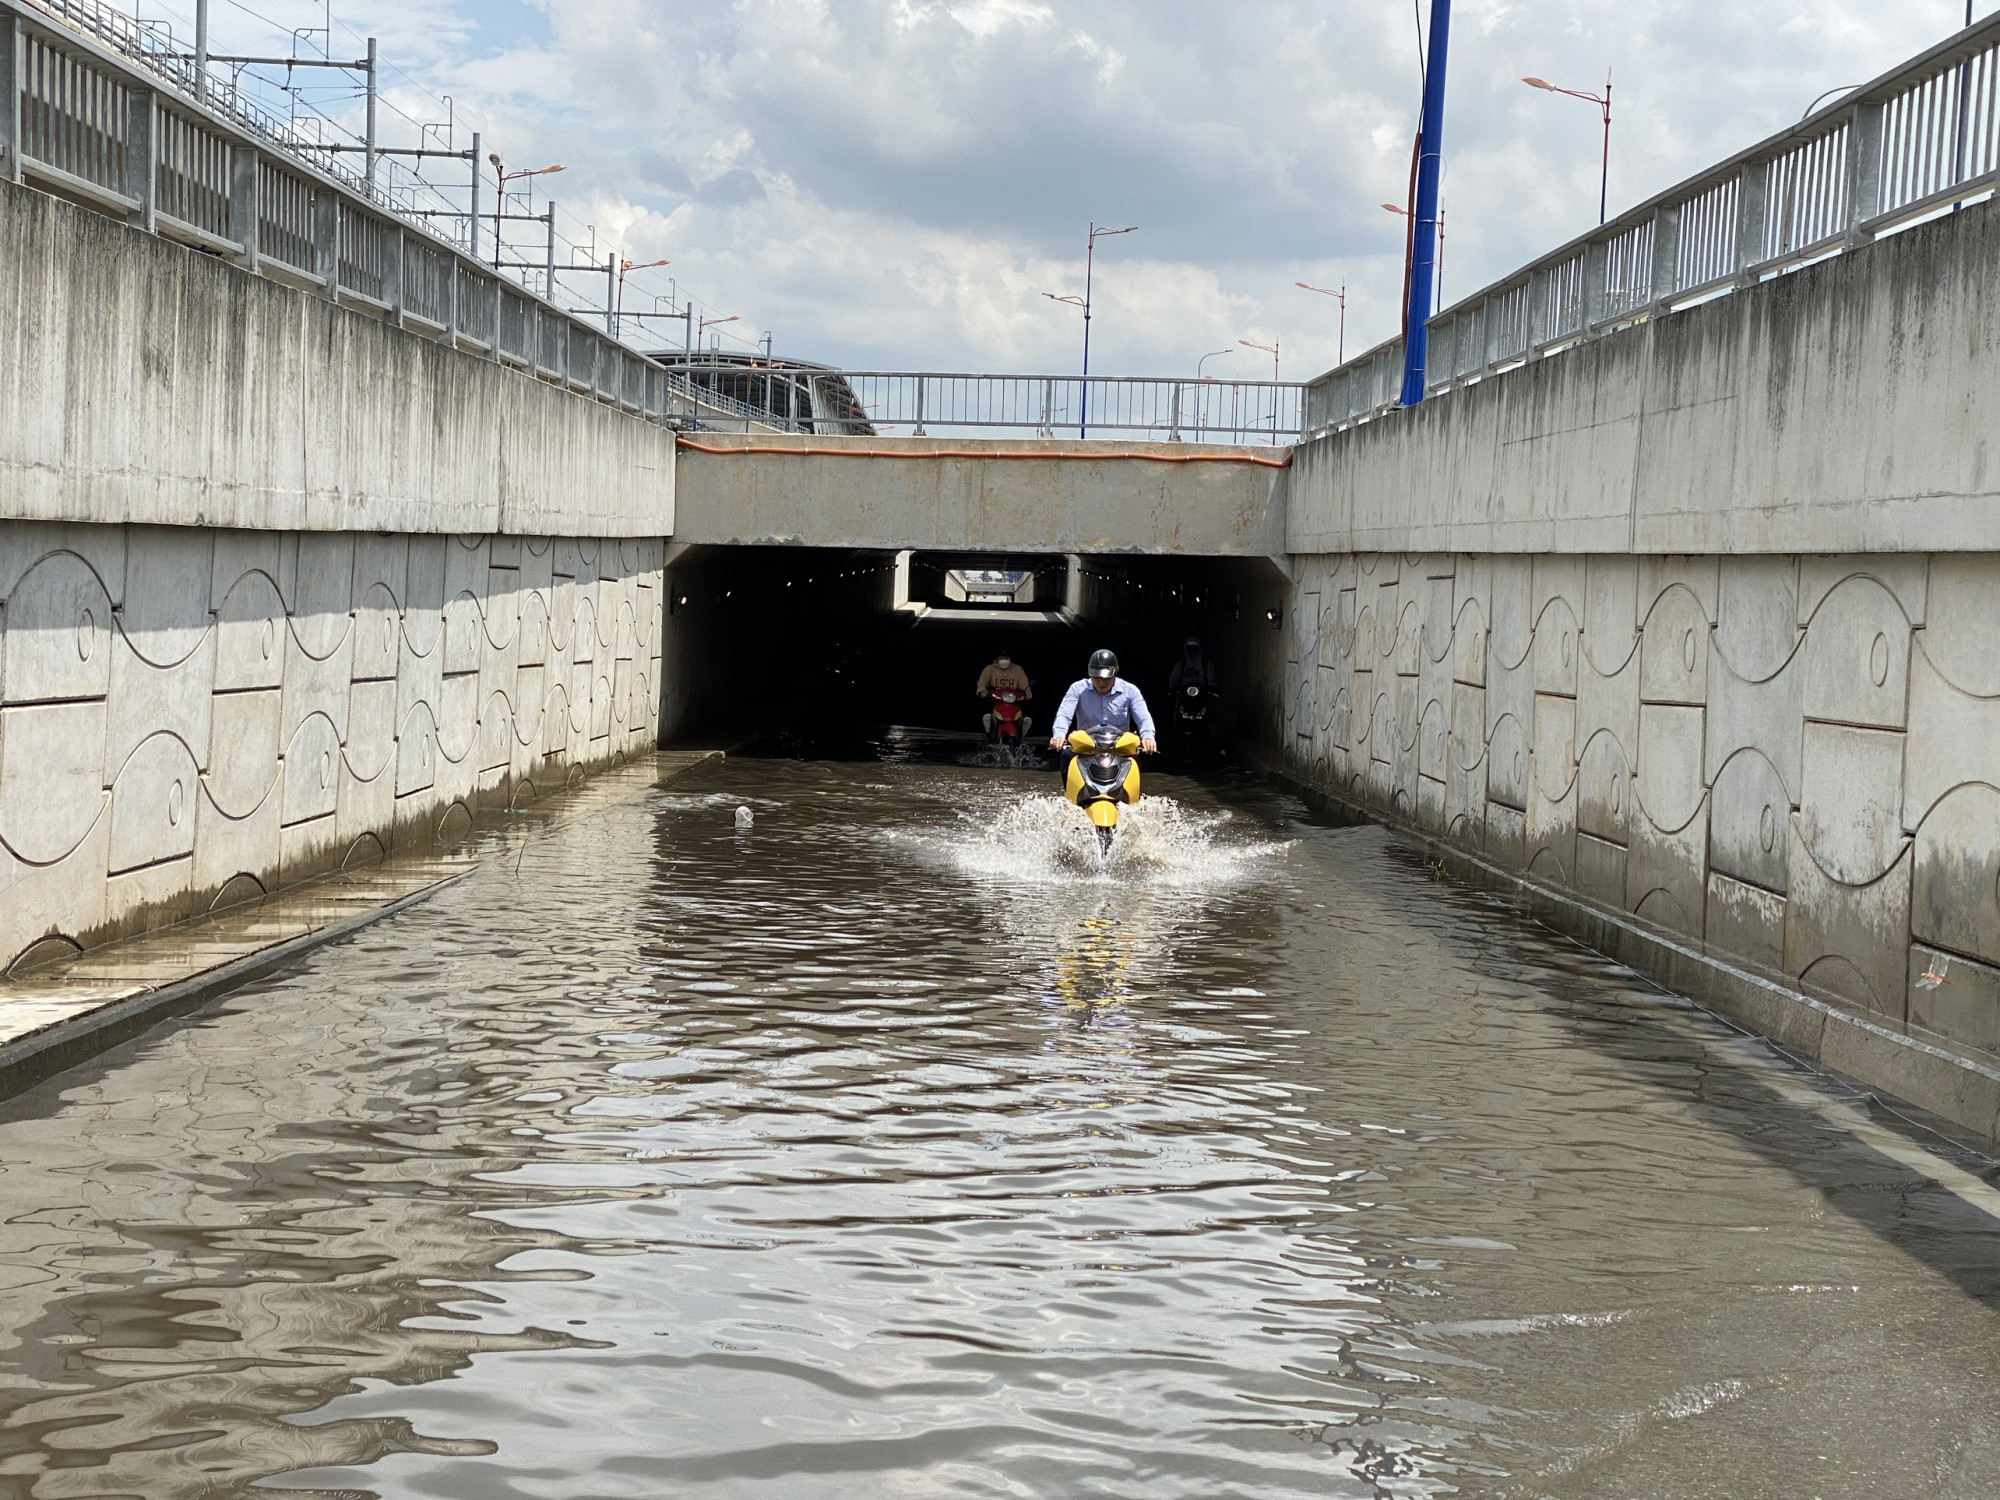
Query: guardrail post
[396, 293]
[1446, 368]
[1174, 428]
[1864, 170]
[451, 280]
[1538, 310]
[142, 154]
[244, 215]
[1596, 283]
[10, 99]
[920, 408]
[326, 243]
[1665, 280]
[1750, 194]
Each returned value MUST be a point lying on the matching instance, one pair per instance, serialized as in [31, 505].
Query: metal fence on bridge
[919, 404]
[1070, 406]
[1919, 141]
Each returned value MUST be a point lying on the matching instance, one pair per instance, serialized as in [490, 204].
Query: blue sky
[893, 183]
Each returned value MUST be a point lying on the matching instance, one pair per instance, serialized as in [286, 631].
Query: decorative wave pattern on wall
[1793, 759]
[192, 716]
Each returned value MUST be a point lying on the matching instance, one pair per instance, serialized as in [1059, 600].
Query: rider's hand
[1149, 747]
[1055, 742]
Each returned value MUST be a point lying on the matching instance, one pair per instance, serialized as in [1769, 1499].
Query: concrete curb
[1934, 1078]
[40, 1055]
[36, 1058]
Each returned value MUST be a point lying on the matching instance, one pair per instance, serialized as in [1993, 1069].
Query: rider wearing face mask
[1003, 674]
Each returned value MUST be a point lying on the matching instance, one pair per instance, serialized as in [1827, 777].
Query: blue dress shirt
[1083, 707]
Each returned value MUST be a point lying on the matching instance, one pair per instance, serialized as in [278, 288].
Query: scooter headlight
[1105, 762]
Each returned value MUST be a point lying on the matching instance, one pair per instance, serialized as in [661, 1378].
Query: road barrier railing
[1057, 406]
[1917, 142]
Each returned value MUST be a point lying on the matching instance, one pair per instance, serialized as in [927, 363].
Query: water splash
[999, 757]
[1045, 840]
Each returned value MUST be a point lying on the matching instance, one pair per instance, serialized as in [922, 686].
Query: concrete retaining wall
[190, 716]
[1791, 763]
[1851, 407]
[143, 382]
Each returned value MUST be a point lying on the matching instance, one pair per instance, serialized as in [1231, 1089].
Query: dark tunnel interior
[810, 650]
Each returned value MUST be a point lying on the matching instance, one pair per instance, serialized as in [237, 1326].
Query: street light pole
[1272, 350]
[1340, 351]
[1200, 403]
[1089, 266]
[1603, 102]
[708, 323]
[501, 177]
[618, 302]
[201, 50]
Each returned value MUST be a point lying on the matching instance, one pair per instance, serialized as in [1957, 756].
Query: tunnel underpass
[812, 648]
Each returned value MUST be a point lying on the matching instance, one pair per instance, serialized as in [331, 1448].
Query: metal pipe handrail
[1827, 184]
[855, 402]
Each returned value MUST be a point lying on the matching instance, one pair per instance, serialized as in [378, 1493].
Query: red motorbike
[1006, 724]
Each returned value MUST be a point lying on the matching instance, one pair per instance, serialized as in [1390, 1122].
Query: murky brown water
[888, 1150]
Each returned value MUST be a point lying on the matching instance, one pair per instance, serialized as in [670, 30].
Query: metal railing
[100, 110]
[1066, 405]
[1917, 142]
[911, 403]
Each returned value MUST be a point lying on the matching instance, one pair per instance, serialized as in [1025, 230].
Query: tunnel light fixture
[1276, 617]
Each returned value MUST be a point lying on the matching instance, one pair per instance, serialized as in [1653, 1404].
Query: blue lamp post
[1423, 250]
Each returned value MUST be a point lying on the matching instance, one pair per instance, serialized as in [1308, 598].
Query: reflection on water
[899, 1144]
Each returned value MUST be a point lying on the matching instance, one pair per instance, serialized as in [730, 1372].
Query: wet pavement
[896, 1146]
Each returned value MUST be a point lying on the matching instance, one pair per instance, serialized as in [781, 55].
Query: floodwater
[894, 1147]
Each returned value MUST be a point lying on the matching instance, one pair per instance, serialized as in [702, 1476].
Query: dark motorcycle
[1191, 708]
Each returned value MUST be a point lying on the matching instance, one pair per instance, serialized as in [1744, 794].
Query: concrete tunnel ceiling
[820, 643]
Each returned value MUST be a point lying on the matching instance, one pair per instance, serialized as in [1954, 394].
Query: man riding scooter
[1101, 723]
[1006, 683]
[1100, 698]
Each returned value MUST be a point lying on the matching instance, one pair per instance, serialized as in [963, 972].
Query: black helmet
[1103, 664]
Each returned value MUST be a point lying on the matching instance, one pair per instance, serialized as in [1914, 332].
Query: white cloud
[894, 182]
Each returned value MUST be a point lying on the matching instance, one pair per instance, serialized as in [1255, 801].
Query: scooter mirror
[1080, 742]
[1128, 743]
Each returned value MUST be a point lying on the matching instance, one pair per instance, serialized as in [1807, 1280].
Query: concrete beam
[1001, 495]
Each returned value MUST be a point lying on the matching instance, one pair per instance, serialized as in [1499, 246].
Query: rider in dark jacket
[1192, 667]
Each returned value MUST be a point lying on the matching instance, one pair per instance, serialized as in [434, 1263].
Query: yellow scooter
[1103, 776]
